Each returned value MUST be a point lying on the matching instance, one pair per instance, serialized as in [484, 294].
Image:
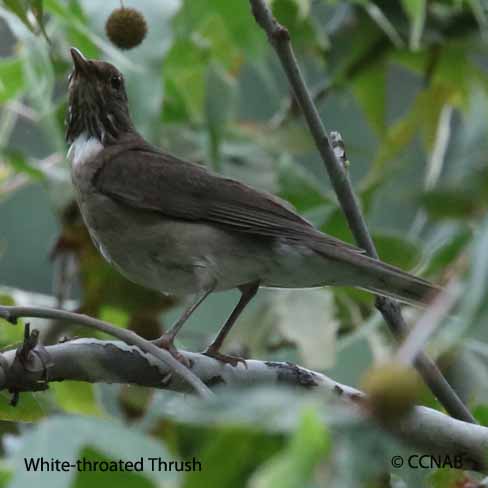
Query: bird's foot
[224, 358]
[167, 342]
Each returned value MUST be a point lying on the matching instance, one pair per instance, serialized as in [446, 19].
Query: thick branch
[94, 361]
[280, 40]
[11, 314]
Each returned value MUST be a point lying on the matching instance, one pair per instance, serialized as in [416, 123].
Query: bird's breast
[82, 153]
[83, 149]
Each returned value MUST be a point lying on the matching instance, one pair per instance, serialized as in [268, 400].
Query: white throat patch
[83, 148]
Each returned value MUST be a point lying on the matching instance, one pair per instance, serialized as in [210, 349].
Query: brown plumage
[174, 226]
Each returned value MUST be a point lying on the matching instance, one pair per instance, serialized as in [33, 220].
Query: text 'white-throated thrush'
[174, 226]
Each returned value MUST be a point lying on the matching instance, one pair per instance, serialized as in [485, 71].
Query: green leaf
[75, 397]
[114, 315]
[396, 250]
[398, 136]
[21, 9]
[457, 72]
[448, 478]
[383, 22]
[79, 34]
[198, 64]
[477, 277]
[66, 437]
[27, 409]
[336, 225]
[448, 252]
[294, 466]
[422, 115]
[12, 81]
[174, 104]
[5, 476]
[291, 138]
[370, 90]
[214, 32]
[272, 408]
[37, 9]
[184, 73]
[242, 449]
[480, 413]
[118, 478]
[236, 16]
[416, 10]
[449, 203]
[18, 162]
[294, 15]
[6, 299]
[220, 107]
[299, 187]
[430, 106]
[10, 334]
[289, 11]
[479, 11]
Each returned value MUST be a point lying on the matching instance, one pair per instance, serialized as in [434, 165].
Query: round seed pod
[126, 27]
[392, 390]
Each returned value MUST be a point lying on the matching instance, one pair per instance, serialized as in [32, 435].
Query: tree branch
[11, 314]
[95, 361]
[280, 40]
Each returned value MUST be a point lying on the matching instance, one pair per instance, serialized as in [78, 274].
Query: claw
[166, 342]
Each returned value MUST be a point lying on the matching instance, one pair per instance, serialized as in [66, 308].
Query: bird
[174, 226]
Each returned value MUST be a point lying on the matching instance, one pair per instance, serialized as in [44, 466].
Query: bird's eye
[116, 82]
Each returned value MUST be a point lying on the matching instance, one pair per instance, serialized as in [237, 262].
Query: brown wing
[156, 181]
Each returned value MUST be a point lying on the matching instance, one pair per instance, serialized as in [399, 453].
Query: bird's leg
[247, 294]
[166, 341]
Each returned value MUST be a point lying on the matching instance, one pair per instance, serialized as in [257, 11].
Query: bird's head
[98, 103]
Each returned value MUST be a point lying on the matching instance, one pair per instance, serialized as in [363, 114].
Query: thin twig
[11, 314]
[280, 40]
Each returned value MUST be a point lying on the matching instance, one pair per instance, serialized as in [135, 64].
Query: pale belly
[173, 257]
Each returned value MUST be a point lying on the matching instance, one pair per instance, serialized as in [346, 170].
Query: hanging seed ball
[126, 27]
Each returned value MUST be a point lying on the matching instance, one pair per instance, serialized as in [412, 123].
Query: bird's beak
[79, 61]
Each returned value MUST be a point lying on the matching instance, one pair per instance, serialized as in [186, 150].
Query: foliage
[405, 81]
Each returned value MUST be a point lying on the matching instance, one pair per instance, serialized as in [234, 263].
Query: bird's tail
[356, 269]
[404, 287]
[386, 280]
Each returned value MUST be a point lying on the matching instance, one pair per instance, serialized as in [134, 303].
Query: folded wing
[159, 182]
